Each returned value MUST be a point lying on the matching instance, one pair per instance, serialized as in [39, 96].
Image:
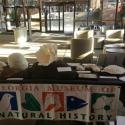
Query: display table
[114, 48]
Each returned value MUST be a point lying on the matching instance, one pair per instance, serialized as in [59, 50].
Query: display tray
[109, 74]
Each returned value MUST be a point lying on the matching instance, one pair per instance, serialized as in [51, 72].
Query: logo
[31, 103]
[74, 103]
[102, 102]
[53, 101]
[8, 101]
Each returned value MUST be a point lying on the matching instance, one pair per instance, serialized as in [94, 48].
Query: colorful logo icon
[8, 101]
[102, 102]
[74, 103]
[31, 103]
[53, 101]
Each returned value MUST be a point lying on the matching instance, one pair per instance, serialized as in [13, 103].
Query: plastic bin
[20, 35]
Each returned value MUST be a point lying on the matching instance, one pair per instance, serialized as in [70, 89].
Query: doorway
[54, 17]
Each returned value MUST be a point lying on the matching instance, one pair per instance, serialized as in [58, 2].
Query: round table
[114, 50]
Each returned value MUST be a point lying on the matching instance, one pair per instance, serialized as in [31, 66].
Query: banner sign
[59, 102]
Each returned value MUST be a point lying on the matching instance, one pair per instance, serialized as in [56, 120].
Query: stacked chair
[83, 34]
[82, 45]
[114, 39]
[114, 36]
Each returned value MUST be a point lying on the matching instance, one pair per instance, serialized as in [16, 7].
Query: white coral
[17, 61]
[114, 69]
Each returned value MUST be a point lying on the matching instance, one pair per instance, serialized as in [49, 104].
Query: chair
[98, 42]
[81, 48]
[83, 34]
[114, 36]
